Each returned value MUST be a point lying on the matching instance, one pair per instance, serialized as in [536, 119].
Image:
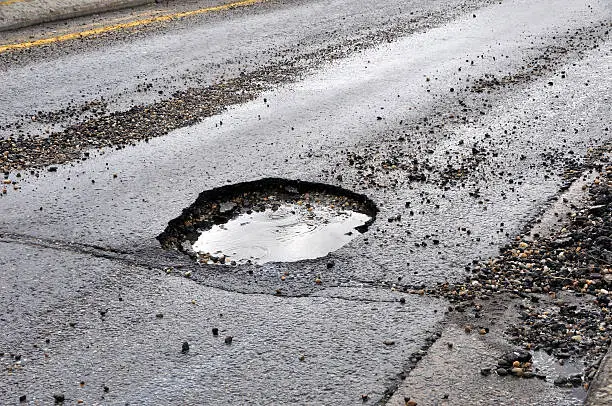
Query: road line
[9, 2]
[131, 24]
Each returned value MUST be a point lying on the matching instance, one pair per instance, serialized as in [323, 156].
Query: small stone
[185, 348]
[402, 300]
[106, 389]
[468, 329]
[215, 331]
[517, 355]
[485, 371]
[528, 375]
[389, 342]
[330, 264]
[229, 339]
[364, 397]
[302, 357]
[501, 371]
[517, 371]
[59, 397]
[22, 398]
[576, 379]
[159, 315]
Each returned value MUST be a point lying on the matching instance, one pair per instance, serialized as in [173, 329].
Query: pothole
[269, 220]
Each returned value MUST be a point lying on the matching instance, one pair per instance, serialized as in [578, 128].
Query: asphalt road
[472, 112]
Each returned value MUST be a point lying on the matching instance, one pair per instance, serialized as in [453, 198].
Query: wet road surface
[461, 133]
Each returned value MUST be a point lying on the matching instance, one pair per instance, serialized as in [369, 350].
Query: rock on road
[461, 120]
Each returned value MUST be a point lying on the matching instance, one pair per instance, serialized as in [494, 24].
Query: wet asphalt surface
[462, 126]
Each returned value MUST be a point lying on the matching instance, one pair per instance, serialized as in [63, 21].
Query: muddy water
[289, 233]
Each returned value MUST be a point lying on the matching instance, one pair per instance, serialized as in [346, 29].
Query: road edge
[600, 391]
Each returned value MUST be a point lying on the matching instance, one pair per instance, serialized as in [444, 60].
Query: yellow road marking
[122, 26]
[112, 21]
[105, 22]
[7, 2]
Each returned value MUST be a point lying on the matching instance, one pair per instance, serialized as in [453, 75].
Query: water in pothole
[554, 370]
[289, 232]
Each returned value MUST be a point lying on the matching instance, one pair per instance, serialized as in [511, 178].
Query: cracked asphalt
[462, 120]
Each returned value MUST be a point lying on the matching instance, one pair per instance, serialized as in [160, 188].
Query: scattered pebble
[485, 371]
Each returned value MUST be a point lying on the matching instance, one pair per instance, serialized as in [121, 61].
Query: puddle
[287, 233]
[269, 220]
[550, 366]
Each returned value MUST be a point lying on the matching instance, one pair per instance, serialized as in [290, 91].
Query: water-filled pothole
[563, 373]
[269, 220]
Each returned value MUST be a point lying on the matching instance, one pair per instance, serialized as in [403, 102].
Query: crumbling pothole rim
[182, 232]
